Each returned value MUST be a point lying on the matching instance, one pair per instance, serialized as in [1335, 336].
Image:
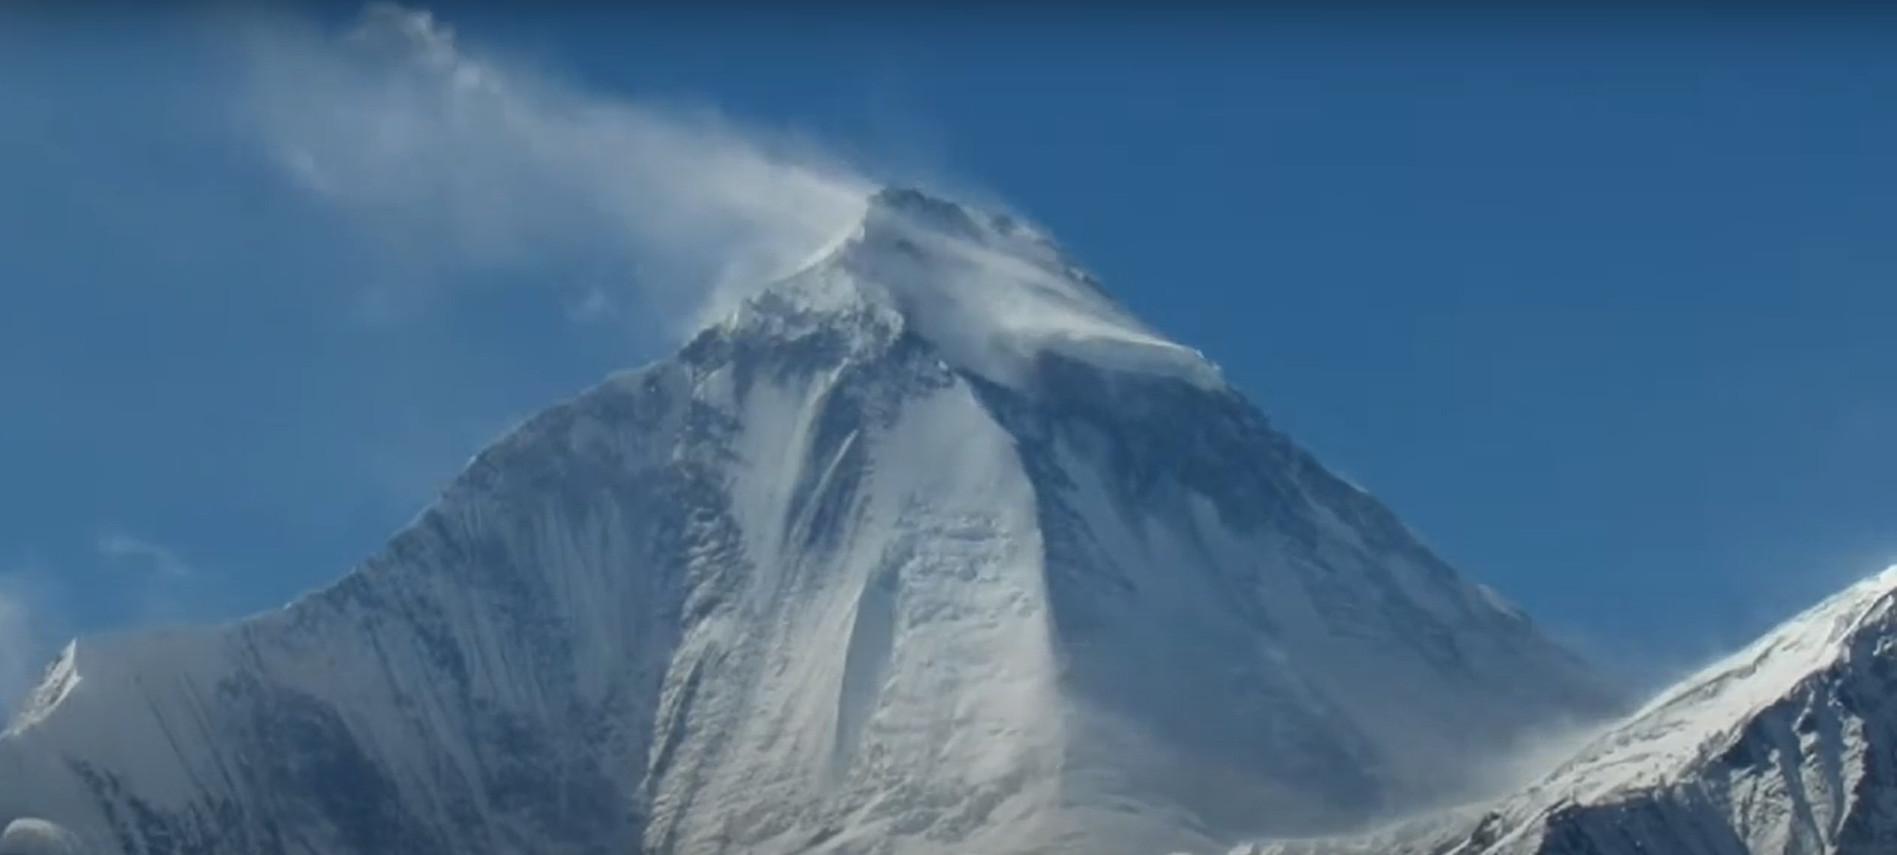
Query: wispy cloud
[142, 554]
[457, 160]
[164, 586]
[593, 305]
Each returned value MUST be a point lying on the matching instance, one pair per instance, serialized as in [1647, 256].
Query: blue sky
[1603, 306]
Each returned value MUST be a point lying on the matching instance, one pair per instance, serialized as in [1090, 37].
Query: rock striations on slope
[929, 547]
[1788, 747]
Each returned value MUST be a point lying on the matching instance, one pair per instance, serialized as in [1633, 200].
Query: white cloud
[593, 305]
[162, 585]
[455, 161]
[143, 554]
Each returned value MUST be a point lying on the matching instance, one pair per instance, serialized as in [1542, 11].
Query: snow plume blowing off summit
[452, 162]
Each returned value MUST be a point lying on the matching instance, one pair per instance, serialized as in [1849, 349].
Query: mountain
[1787, 747]
[928, 547]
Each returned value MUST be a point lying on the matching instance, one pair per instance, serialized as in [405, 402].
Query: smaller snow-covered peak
[58, 682]
[990, 292]
[1804, 644]
[1775, 748]
[1684, 723]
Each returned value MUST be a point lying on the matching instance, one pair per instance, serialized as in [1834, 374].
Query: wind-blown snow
[1676, 726]
[991, 293]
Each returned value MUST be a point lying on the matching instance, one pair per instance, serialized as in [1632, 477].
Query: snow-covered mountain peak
[1701, 714]
[1782, 747]
[992, 294]
[1772, 665]
[926, 548]
[58, 682]
[906, 214]
[1775, 748]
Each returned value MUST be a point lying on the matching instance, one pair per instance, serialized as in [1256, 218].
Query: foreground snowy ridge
[1787, 747]
[928, 548]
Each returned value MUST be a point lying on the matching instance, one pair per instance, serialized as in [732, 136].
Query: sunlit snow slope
[1788, 747]
[929, 547]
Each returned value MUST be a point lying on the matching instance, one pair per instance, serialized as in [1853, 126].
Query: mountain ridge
[1782, 747]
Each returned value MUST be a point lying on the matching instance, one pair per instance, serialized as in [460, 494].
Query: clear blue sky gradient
[1605, 307]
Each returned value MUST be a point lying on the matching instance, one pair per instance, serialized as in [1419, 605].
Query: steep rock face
[927, 548]
[1788, 747]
